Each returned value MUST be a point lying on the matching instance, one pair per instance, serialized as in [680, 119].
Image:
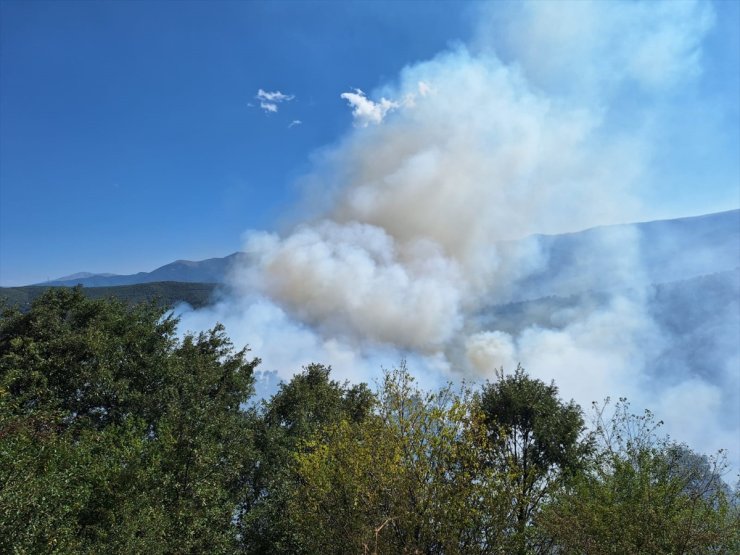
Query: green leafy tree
[116, 436]
[645, 494]
[537, 442]
[410, 478]
[304, 408]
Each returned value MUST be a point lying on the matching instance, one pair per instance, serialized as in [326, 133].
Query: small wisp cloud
[269, 101]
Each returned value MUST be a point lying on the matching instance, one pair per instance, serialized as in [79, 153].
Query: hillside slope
[165, 293]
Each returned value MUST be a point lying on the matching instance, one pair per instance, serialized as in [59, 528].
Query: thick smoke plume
[430, 207]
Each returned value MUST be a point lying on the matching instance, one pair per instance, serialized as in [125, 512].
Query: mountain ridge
[713, 241]
[210, 270]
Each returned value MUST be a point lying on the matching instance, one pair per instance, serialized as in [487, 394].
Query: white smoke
[422, 209]
[593, 49]
[356, 277]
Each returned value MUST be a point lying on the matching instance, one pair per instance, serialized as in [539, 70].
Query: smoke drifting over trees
[118, 436]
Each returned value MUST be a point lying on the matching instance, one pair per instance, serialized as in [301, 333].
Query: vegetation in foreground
[118, 437]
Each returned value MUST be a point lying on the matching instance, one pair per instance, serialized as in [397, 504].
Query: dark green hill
[166, 293]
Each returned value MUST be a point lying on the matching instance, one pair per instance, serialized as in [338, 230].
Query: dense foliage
[117, 436]
[114, 433]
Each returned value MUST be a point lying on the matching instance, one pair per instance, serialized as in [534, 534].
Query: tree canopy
[114, 432]
[119, 435]
[536, 440]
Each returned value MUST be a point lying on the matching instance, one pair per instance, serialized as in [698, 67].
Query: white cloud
[365, 111]
[275, 96]
[269, 100]
[294, 123]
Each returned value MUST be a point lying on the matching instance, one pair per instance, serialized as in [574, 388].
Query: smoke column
[430, 208]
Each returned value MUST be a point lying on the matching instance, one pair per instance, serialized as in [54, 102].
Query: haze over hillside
[668, 250]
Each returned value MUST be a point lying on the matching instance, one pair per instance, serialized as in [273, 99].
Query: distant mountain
[82, 275]
[212, 270]
[668, 250]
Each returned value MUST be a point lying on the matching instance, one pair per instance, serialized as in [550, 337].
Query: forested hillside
[165, 293]
[116, 436]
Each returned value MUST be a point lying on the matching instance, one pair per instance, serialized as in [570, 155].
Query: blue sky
[130, 134]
